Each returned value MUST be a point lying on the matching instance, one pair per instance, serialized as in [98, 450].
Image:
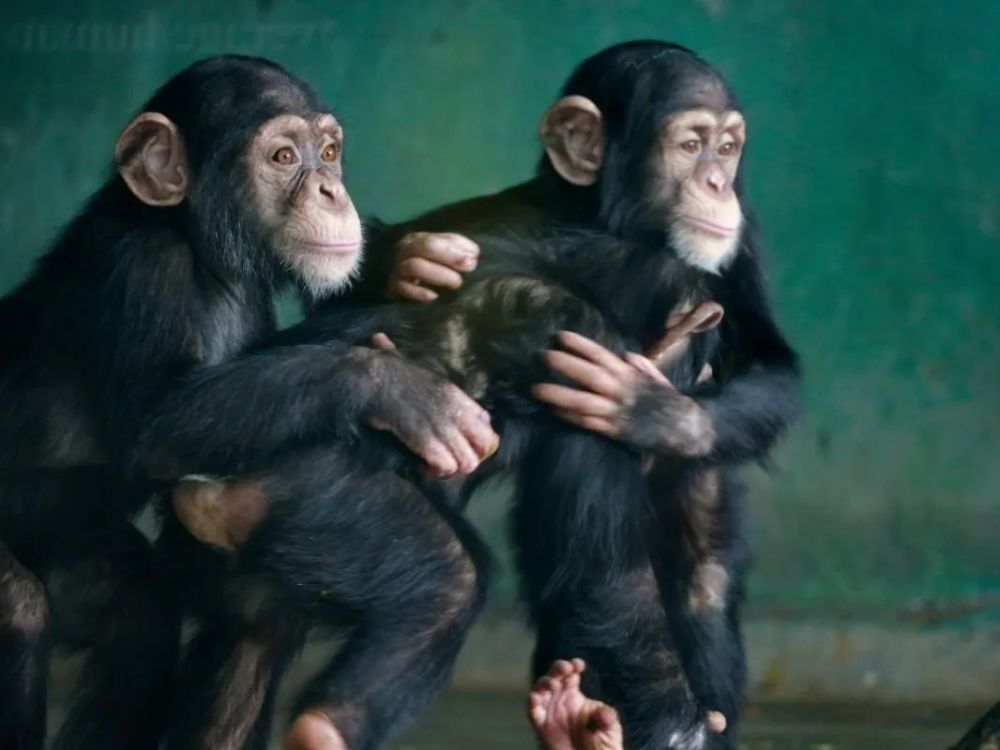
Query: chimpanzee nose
[716, 181]
[334, 191]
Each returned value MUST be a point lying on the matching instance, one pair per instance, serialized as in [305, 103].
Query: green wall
[874, 127]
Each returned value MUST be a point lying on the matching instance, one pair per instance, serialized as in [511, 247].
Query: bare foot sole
[313, 731]
[565, 719]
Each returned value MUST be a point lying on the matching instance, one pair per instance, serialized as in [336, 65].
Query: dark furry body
[601, 580]
[582, 503]
[136, 315]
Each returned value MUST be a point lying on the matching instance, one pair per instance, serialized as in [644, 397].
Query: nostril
[334, 193]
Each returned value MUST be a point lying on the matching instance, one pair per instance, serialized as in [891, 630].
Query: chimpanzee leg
[107, 598]
[341, 548]
[232, 672]
[578, 523]
[233, 665]
[69, 528]
[700, 557]
[24, 655]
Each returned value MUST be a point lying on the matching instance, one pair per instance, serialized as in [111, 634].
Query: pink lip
[708, 226]
[333, 246]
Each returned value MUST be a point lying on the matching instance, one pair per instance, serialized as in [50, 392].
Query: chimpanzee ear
[150, 158]
[573, 134]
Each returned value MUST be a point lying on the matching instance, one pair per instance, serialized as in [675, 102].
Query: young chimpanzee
[643, 153]
[228, 186]
[645, 144]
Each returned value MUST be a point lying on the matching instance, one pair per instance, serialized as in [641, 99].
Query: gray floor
[485, 720]
[470, 721]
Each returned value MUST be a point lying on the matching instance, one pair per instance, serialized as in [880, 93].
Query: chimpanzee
[227, 187]
[642, 164]
[653, 115]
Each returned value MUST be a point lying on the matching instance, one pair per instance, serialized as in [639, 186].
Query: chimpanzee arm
[519, 206]
[162, 409]
[754, 397]
[309, 384]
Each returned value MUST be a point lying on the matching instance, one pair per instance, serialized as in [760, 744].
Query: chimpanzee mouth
[332, 247]
[710, 227]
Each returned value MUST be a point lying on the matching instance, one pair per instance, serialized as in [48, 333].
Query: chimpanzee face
[296, 180]
[683, 169]
[694, 168]
[284, 195]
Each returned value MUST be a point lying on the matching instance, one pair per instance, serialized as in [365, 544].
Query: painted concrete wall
[874, 135]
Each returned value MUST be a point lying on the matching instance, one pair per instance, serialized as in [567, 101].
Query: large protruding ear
[573, 134]
[150, 158]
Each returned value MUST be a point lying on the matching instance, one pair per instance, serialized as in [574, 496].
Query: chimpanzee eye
[284, 156]
[727, 149]
[691, 147]
[330, 152]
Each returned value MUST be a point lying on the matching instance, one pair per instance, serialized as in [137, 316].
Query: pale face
[298, 189]
[696, 165]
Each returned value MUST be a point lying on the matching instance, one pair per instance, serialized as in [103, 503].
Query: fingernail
[493, 449]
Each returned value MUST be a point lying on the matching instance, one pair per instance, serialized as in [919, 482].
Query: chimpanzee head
[250, 161]
[653, 136]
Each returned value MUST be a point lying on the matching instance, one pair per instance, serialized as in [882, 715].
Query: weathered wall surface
[872, 164]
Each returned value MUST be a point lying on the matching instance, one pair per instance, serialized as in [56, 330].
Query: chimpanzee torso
[59, 405]
[487, 335]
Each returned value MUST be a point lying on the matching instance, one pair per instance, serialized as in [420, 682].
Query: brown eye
[691, 147]
[728, 149]
[330, 153]
[284, 156]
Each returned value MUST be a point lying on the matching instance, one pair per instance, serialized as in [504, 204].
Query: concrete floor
[493, 719]
[484, 721]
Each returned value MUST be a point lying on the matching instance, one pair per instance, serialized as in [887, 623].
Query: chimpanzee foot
[313, 731]
[222, 514]
[565, 719]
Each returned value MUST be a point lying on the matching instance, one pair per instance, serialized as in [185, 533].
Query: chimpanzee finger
[586, 374]
[600, 425]
[647, 368]
[428, 272]
[479, 434]
[463, 403]
[383, 342]
[453, 250]
[432, 451]
[572, 680]
[546, 684]
[603, 719]
[482, 437]
[561, 668]
[409, 290]
[460, 448]
[593, 351]
[666, 350]
[572, 399]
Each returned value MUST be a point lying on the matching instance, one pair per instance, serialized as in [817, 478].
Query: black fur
[136, 313]
[581, 501]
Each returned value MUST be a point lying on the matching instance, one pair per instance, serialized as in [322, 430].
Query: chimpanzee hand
[430, 259]
[625, 399]
[432, 417]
